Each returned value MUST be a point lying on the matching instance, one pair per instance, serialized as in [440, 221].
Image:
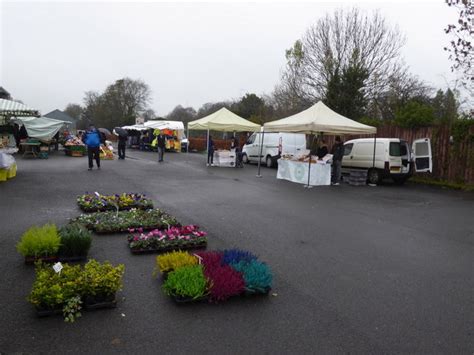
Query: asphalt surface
[370, 270]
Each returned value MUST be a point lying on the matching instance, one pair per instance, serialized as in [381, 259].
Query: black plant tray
[44, 312]
[30, 260]
[168, 248]
[183, 300]
[71, 259]
[253, 292]
[100, 305]
[106, 209]
[160, 227]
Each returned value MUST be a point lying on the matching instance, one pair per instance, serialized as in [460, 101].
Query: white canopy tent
[177, 126]
[222, 120]
[10, 108]
[136, 127]
[318, 119]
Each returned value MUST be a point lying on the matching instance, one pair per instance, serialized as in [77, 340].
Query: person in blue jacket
[92, 140]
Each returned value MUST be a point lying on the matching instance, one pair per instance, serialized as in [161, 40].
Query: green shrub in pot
[75, 240]
[39, 241]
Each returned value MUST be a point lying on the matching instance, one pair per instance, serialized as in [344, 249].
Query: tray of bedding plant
[173, 238]
[213, 276]
[126, 221]
[96, 202]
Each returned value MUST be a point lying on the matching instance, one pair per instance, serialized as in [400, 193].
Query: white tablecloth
[297, 171]
[224, 158]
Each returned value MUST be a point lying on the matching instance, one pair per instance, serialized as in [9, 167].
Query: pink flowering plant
[168, 239]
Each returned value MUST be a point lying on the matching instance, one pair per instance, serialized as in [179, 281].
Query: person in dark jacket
[322, 150]
[337, 154]
[210, 152]
[92, 140]
[122, 143]
[161, 144]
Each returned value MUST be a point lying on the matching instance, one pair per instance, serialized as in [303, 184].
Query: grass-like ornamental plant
[186, 282]
[225, 282]
[75, 240]
[39, 241]
[257, 275]
[210, 259]
[174, 260]
[233, 256]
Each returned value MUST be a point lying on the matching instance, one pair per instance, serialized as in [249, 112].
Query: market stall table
[224, 158]
[30, 149]
[297, 171]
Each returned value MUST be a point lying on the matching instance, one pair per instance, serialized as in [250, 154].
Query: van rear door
[422, 155]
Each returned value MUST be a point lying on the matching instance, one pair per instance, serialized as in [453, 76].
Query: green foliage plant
[72, 309]
[101, 279]
[39, 241]
[75, 240]
[187, 281]
[51, 290]
[174, 260]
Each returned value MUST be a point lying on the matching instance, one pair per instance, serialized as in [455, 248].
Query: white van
[274, 145]
[393, 158]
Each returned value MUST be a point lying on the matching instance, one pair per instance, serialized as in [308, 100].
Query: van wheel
[269, 161]
[245, 159]
[374, 176]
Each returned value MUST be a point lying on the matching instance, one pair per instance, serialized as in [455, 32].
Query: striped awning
[13, 108]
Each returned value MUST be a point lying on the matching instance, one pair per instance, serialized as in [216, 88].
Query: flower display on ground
[172, 238]
[227, 273]
[95, 202]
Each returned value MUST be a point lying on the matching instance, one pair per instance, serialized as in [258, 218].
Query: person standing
[92, 140]
[122, 143]
[161, 144]
[210, 152]
[337, 154]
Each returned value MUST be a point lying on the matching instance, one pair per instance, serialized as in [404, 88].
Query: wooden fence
[452, 161]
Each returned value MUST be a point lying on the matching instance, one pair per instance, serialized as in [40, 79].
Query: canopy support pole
[262, 134]
[207, 147]
[308, 186]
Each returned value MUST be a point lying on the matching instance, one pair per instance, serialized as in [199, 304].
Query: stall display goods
[296, 170]
[74, 147]
[213, 275]
[123, 221]
[67, 289]
[96, 202]
[106, 152]
[174, 238]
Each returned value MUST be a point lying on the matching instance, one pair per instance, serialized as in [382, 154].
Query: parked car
[394, 158]
[184, 144]
[274, 145]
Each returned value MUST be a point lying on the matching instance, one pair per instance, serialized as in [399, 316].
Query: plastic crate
[3, 174]
[11, 173]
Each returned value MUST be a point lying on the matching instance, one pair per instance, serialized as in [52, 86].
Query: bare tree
[461, 46]
[336, 42]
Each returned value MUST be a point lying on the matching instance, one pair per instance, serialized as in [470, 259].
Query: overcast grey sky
[188, 53]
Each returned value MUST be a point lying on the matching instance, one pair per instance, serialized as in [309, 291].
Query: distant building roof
[4, 94]
[60, 115]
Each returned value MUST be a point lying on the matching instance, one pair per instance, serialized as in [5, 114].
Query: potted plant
[225, 282]
[123, 221]
[173, 238]
[257, 276]
[39, 243]
[100, 282]
[186, 284]
[93, 285]
[174, 260]
[76, 241]
[97, 202]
